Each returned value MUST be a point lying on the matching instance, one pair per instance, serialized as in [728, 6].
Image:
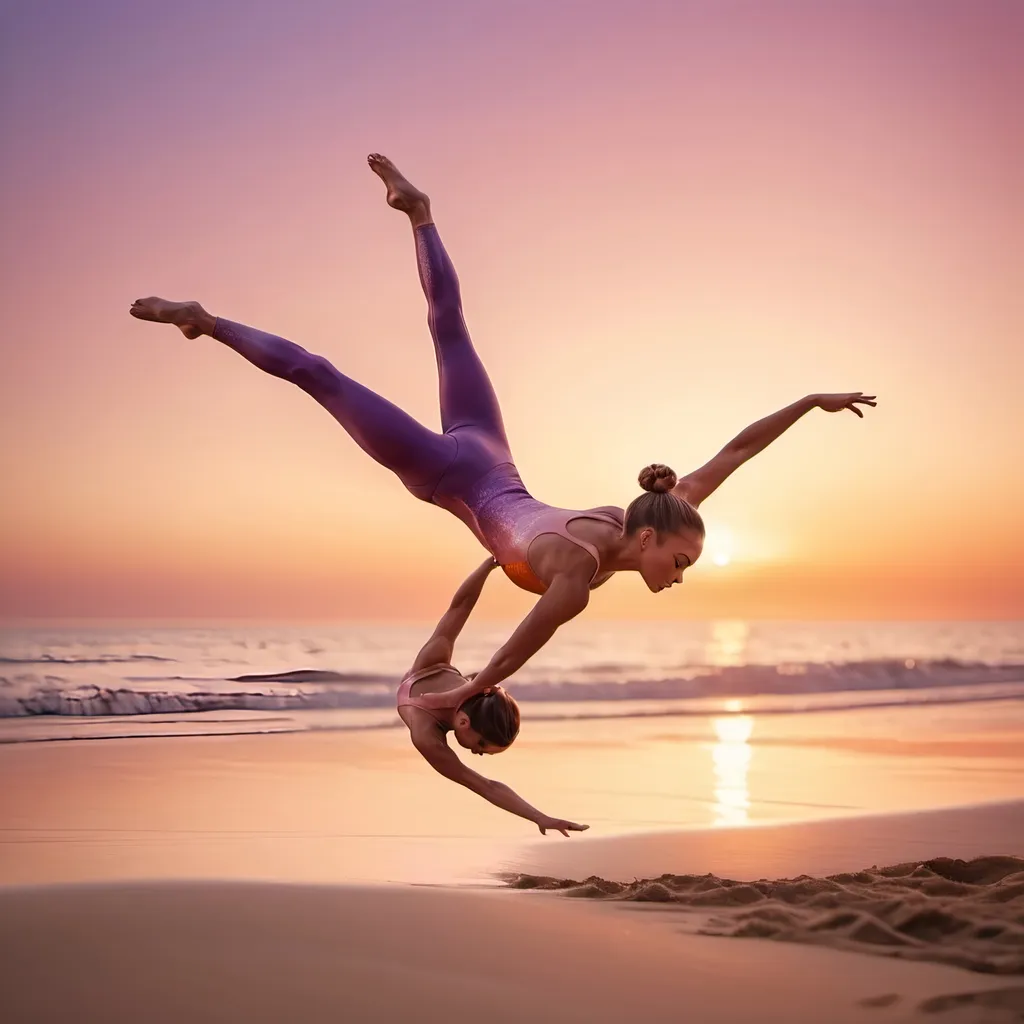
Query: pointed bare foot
[189, 317]
[401, 194]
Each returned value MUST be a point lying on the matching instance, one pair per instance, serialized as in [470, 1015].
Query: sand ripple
[964, 913]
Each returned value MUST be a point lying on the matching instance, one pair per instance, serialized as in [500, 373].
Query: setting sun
[790, 259]
[720, 545]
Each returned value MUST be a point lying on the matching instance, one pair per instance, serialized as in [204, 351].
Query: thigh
[418, 456]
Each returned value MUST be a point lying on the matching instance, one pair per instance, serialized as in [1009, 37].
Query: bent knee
[316, 375]
[446, 313]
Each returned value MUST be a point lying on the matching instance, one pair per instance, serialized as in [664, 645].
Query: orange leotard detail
[507, 519]
[524, 577]
[549, 520]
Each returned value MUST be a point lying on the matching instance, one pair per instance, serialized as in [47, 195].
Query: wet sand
[223, 878]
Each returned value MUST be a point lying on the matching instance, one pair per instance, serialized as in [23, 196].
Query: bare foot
[189, 317]
[401, 195]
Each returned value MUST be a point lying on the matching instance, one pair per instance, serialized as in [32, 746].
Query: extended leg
[467, 396]
[388, 435]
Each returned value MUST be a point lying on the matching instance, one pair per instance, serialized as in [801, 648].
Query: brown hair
[660, 509]
[495, 715]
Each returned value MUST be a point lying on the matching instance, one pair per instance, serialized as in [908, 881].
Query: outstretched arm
[696, 486]
[564, 599]
[438, 649]
[444, 760]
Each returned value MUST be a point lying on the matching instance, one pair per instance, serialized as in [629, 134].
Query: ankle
[420, 216]
[200, 320]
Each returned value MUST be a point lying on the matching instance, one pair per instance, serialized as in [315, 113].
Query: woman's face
[469, 738]
[665, 557]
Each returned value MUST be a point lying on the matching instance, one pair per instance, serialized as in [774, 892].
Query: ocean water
[153, 681]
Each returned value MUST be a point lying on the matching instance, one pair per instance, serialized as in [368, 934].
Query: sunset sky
[669, 220]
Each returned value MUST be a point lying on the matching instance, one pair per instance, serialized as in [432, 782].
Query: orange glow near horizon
[681, 220]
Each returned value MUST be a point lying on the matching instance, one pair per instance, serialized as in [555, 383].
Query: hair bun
[657, 478]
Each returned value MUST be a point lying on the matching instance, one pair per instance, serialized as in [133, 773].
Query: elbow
[492, 790]
[571, 606]
[487, 788]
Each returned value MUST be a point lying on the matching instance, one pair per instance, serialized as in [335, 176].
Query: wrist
[813, 401]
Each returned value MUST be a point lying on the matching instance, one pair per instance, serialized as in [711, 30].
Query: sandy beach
[695, 328]
[327, 875]
[221, 951]
[962, 908]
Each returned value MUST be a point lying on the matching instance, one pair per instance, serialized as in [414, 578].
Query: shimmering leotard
[501, 512]
[438, 705]
[468, 467]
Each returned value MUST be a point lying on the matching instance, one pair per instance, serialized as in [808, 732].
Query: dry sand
[220, 952]
[965, 913]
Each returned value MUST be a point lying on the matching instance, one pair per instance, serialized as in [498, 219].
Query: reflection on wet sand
[731, 756]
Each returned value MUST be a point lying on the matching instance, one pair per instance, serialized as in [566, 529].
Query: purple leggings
[444, 468]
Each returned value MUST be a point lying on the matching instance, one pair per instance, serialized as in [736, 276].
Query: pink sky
[669, 219]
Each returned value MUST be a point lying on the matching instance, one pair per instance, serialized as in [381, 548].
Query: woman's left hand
[836, 403]
[558, 825]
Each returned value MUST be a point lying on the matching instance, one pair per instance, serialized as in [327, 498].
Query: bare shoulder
[698, 484]
[437, 650]
[430, 741]
[552, 555]
[616, 511]
[423, 727]
[689, 489]
[427, 737]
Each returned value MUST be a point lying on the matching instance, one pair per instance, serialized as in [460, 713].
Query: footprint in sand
[999, 1005]
[880, 1001]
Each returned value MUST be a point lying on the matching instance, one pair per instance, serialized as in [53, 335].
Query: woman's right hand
[837, 403]
[559, 825]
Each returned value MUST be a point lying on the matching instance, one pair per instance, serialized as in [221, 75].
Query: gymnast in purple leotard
[467, 468]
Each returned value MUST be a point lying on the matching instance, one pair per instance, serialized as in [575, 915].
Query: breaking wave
[876, 683]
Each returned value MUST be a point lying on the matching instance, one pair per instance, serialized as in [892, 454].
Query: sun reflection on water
[731, 756]
[727, 644]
